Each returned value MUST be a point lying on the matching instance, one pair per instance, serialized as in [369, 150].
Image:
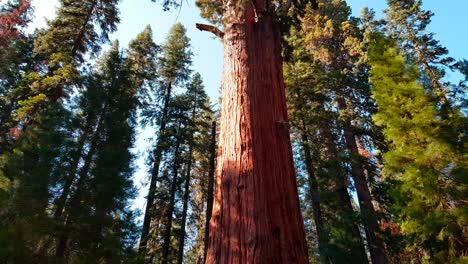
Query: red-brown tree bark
[256, 216]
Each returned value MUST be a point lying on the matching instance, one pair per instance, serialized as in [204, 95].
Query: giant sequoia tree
[256, 216]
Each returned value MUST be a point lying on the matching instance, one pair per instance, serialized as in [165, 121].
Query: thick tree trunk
[256, 215]
[168, 228]
[157, 155]
[210, 189]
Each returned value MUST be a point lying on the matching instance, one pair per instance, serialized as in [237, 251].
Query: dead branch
[210, 28]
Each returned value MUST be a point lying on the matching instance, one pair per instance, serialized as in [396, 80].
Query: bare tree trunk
[376, 245]
[256, 215]
[154, 173]
[210, 189]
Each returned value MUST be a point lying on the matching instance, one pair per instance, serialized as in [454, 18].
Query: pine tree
[98, 202]
[69, 37]
[31, 168]
[426, 171]
[407, 22]
[198, 126]
[55, 65]
[175, 167]
[15, 54]
[326, 69]
[304, 100]
[210, 190]
[173, 71]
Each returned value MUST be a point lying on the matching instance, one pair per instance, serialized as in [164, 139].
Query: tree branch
[210, 28]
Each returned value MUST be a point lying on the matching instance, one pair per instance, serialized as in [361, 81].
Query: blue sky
[449, 24]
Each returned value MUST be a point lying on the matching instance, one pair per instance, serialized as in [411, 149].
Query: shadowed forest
[336, 139]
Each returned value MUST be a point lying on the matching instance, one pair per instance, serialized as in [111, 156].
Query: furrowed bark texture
[256, 216]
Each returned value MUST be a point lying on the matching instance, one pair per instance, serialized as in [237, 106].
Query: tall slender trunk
[71, 176]
[376, 245]
[74, 205]
[210, 189]
[322, 234]
[256, 215]
[157, 155]
[344, 204]
[168, 230]
[180, 252]
[62, 240]
[429, 71]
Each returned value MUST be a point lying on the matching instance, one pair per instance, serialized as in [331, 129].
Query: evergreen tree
[407, 22]
[15, 55]
[55, 63]
[326, 72]
[185, 137]
[173, 71]
[97, 221]
[69, 37]
[198, 127]
[426, 171]
[304, 105]
[32, 168]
